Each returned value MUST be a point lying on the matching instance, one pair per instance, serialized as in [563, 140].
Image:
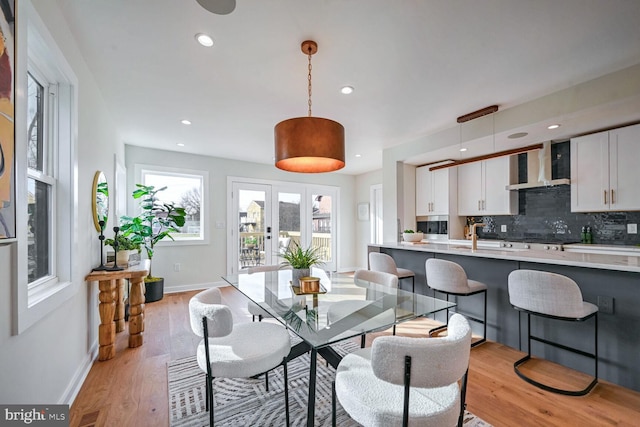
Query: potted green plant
[125, 247]
[301, 260]
[156, 221]
[250, 241]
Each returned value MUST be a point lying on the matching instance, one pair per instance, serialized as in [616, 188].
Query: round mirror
[100, 200]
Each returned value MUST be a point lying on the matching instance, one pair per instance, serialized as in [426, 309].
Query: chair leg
[463, 397]
[266, 380]
[522, 361]
[363, 339]
[286, 389]
[333, 403]
[484, 323]
[211, 419]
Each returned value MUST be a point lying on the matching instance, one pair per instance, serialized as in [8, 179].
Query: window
[45, 175]
[41, 183]
[185, 188]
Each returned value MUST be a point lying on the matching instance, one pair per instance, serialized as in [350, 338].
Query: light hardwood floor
[131, 389]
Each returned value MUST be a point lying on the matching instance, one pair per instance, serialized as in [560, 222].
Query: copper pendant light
[309, 144]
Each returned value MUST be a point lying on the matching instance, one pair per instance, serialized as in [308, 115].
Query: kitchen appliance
[531, 246]
[539, 170]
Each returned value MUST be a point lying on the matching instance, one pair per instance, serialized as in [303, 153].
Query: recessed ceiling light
[180, 144]
[185, 122]
[204, 40]
[347, 90]
[517, 135]
[555, 126]
[358, 155]
[463, 149]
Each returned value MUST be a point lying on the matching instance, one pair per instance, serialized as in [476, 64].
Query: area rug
[244, 402]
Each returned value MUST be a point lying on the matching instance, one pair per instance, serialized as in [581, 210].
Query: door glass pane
[38, 230]
[288, 220]
[251, 234]
[321, 225]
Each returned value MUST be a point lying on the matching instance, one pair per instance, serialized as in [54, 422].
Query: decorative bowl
[412, 237]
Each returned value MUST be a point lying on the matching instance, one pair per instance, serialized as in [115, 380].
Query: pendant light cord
[309, 81]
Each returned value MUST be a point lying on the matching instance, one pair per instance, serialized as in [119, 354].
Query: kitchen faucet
[474, 236]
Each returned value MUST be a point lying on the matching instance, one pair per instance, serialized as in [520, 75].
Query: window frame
[142, 169]
[37, 52]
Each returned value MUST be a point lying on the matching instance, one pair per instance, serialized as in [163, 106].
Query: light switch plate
[632, 228]
[503, 228]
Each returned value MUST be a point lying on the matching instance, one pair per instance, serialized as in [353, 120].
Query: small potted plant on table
[125, 247]
[301, 260]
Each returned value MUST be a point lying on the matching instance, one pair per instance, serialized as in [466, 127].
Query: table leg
[136, 312]
[107, 328]
[119, 313]
[311, 403]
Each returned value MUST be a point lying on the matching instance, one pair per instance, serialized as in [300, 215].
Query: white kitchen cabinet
[432, 191]
[482, 187]
[605, 171]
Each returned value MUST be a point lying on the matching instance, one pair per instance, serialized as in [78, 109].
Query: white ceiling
[415, 65]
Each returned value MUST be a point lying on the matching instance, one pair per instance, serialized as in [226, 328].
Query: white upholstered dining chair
[342, 309]
[449, 278]
[383, 262]
[231, 350]
[400, 380]
[553, 296]
[254, 309]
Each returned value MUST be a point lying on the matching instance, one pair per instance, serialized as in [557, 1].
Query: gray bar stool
[553, 296]
[383, 262]
[449, 278]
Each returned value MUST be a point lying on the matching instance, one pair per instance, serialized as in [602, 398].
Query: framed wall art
[7, 113]
[363, 211]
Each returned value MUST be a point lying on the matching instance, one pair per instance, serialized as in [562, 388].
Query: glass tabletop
[342, 309]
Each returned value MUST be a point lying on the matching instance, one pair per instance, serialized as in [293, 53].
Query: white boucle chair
[383, 262]
[400, 379]
[342, 309]
[231, 350]
[253, 308]
[553, 296]
[449, 278]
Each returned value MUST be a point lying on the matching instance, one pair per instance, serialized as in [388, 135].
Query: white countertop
[602, 261]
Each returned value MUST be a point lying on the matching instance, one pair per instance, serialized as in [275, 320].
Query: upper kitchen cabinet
[432, 191]
[482, 187]
[605, 171]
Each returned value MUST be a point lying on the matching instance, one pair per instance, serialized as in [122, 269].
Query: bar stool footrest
[546, 387]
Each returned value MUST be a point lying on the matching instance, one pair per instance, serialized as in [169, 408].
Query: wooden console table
[111, 286]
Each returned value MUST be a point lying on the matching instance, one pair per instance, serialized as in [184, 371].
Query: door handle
[612, 197]
[605, 197]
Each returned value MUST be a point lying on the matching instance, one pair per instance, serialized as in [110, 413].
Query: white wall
[204, 264]
[48, 361]
[363, 228]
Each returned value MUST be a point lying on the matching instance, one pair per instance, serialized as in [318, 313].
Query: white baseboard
[73, 388]
[193, 287]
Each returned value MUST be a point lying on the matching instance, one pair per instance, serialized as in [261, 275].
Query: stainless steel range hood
[539, 170]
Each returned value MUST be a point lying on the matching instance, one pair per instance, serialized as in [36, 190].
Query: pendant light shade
[309, 144]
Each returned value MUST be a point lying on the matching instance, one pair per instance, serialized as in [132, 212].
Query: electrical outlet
[503, 228]
[605, 305]
[219, 224]
[632, 228]
[176, 267]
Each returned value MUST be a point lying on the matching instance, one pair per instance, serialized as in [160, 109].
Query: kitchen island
[610, 281]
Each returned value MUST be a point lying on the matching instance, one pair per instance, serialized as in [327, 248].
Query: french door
[267, 218]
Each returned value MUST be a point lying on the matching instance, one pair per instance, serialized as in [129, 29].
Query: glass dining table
[359, 307]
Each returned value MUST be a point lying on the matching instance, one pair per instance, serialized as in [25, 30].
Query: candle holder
[101, 267]
[115, 249]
